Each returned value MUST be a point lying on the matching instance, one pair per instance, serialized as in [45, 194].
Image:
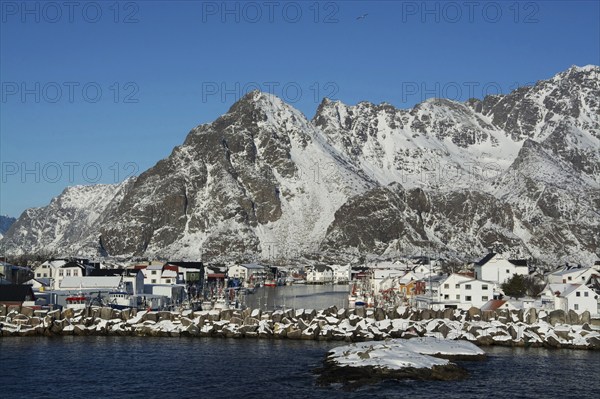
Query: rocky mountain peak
[513, 172]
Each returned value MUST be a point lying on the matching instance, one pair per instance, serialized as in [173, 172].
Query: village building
[495, 268]
[572, 275]
[247, 272]
[16, 295]
[475, 293]
[319, 274]
[576, 297]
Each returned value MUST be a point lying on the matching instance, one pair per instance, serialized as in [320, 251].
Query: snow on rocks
[507, 328]
[420, 358]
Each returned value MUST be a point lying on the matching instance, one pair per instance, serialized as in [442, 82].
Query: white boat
[78, 301]
[121, 300]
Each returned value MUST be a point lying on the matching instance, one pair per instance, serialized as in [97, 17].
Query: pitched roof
[518, 262]
[485, 259]
[493, 304]
[16, 293]
[90, 282]
[192, 265]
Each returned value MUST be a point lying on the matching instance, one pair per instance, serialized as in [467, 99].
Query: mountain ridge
[264, 181]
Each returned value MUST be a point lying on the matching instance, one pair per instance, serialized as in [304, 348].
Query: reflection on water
[299, 297]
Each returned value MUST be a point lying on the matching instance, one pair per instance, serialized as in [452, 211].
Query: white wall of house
[577, 297]
[63, 272]
[581, 299]
[475, 293]
[341, 273]
[449, 289]
[319, 275]
[498, 270]
[572, 276]
[245, 271]
[152, 274]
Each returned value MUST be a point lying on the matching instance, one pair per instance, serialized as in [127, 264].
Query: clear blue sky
[162, 68]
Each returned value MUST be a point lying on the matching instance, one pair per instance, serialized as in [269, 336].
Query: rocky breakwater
[529, 328]
[423, 358]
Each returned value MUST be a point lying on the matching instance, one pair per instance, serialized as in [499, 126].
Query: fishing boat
[78, 301]
[122, 300]
[270, 283]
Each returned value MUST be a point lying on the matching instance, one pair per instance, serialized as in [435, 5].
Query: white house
[379, 276]
[69, 269]
[152, 274]
[319, 274]
[449, 288]
[577, 297]
[341, 273]
[495, 268]
[475, 293]
[571, 275]
[247, 271]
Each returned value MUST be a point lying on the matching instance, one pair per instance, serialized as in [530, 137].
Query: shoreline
[524, 328]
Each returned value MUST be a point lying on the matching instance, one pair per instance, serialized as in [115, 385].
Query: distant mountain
[517, 173]
[5, 223]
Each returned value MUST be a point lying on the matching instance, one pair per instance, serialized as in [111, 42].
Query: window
[458, 297]
[467, 286]
[456, 286]
[507, 271]
[570, 278]
[446, 296]
[75, 273]
[578, 293]
[68, 272]
[484, 287]
[153, 272]
[168, 281]
[446, 285]
[60, 273]
[586, 294]
[484, 298]
[576, 307]
[468, 298]
[153, 281]
[46, 275]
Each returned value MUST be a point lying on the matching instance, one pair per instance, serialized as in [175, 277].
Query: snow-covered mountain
[518, 173]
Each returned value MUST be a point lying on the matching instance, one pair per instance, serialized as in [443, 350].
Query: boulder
[380, 314]
[13, 308]
[585, 317]
[531, 317]
[444, 329]
[473, 313]
[294, 334]
[551, 341]
[557, 317]
[573, 317]
[226, 314]
[106, 313]
[427, 314]
[27, 311]
[68, 313]
[449, 314]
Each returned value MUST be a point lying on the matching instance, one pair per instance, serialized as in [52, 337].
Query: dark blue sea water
[127, 367]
